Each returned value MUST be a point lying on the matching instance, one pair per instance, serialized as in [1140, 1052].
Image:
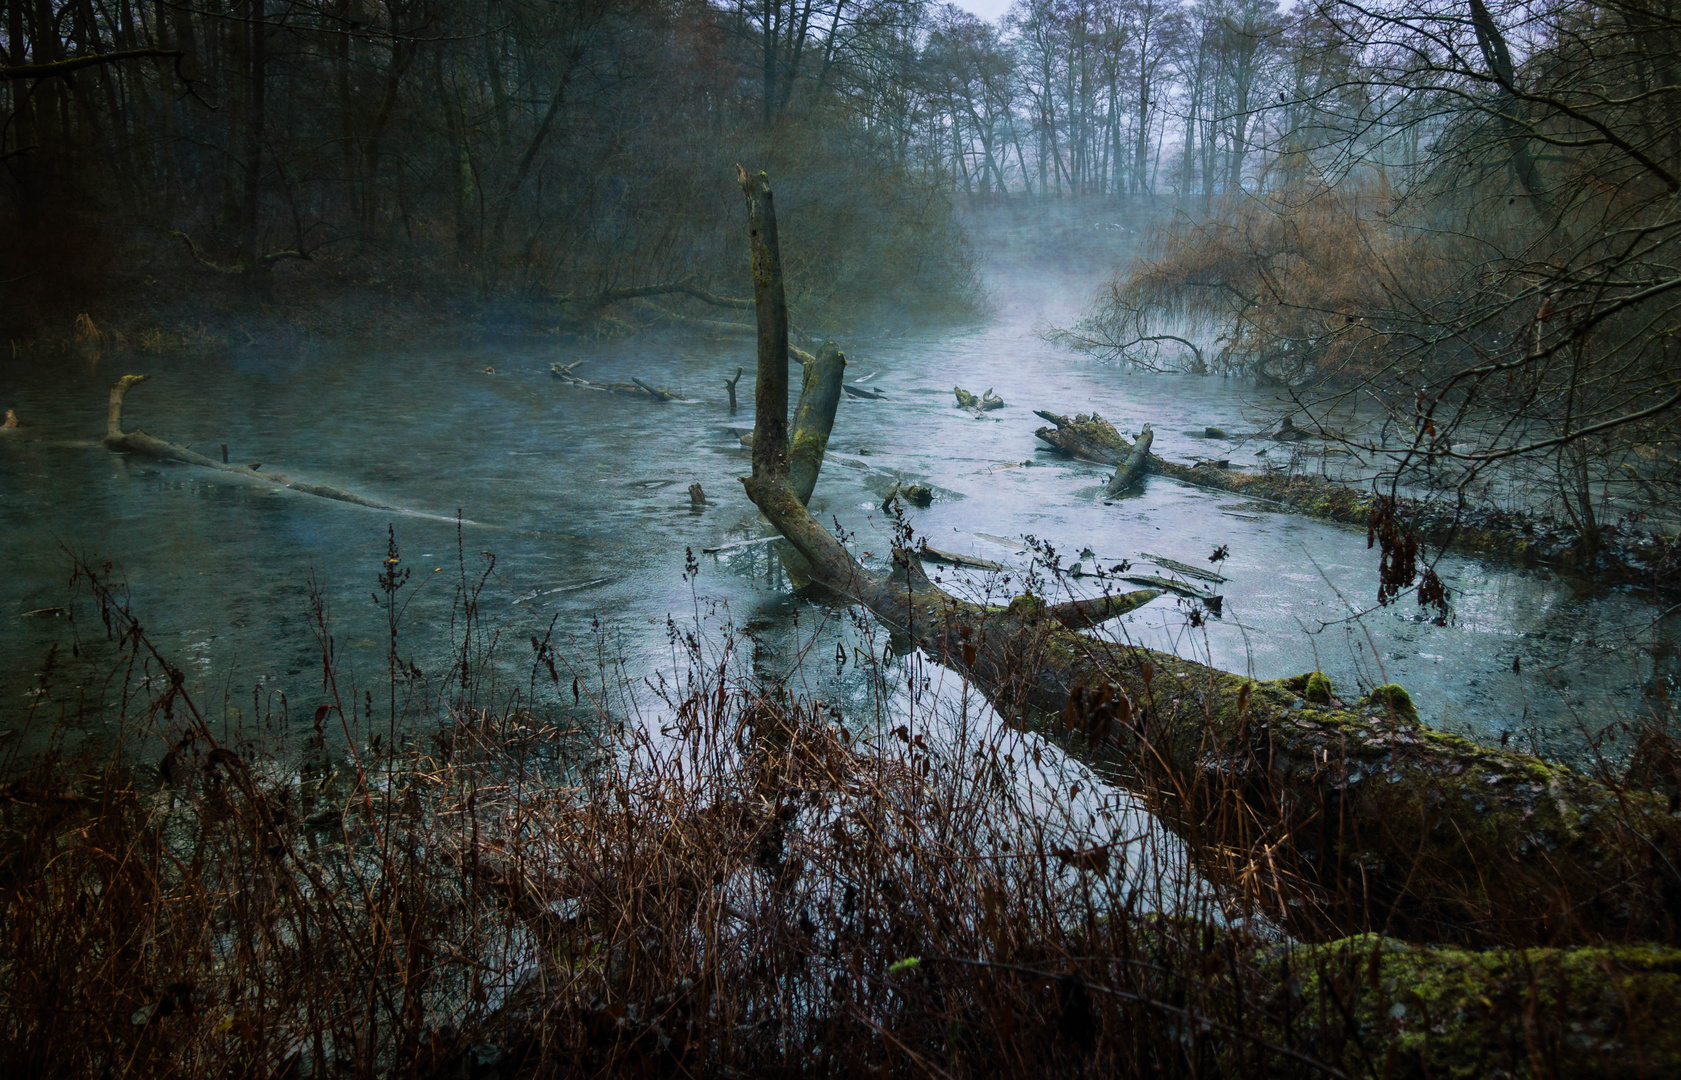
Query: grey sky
[990, 10]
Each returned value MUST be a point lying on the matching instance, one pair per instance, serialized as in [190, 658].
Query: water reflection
[583, 498]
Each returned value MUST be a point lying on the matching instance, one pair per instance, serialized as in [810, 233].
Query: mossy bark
[1373, 1006]
[814, 417]
[1132, 467]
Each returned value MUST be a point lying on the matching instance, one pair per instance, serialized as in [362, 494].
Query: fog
[1258, 420]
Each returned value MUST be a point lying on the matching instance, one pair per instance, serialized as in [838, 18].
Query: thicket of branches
[530, 149]
[1487, 247]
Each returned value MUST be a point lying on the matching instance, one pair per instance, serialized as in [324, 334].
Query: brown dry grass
[741, 887]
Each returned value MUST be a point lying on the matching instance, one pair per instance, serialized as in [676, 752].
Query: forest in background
[571, 150]
[1464, 214]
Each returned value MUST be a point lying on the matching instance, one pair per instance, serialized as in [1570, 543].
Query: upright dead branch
[814, 418]
[770, 304]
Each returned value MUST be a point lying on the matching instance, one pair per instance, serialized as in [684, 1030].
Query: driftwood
[915, 494]
[977, 405]
[1128, 471]
[1337, 816]
[1183, 588]
[950, 558]
[636, 388]
[729, 384]
[1184, 568]
[1523, 538]
[138, 442]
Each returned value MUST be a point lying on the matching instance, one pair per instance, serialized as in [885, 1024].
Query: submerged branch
[138, 442]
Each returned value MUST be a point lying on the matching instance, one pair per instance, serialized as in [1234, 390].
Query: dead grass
[741, 885]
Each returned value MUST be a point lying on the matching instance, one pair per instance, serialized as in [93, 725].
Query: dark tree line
[537, 149]
[1467, 218]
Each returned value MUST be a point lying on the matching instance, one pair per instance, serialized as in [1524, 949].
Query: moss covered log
[1333, 816]
[814, 416]
[1374, 1006]
[1524, 538]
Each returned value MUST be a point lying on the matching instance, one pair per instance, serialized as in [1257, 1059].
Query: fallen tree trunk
[636, 388]
[138, 442]
[1524, 538]
[1337, 817]
[1128, 471]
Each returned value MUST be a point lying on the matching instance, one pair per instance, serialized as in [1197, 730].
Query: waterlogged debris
[1183, 568]
[1004, 541]
[739, 544]
[977, 405]
[138, 442]
[1128, 471]
[934, 554]
[915, 494]
[567, 373]
[578, 587]
[1182, 588]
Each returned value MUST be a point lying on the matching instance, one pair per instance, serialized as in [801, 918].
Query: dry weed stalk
[743, 886]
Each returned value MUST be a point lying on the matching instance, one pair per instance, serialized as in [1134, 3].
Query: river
[583, 499]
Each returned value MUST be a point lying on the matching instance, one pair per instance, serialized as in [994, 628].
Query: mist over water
[583, 499]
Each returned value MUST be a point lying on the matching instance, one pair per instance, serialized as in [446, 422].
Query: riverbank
[734, 885]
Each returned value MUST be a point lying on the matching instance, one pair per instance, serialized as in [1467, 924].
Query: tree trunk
[138, 442]
[1336, 817]
[814, 418]
[1128, 471]
[770, 391]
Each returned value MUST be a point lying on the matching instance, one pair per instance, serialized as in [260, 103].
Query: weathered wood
[1337, 817]
[636, 388]
[1183, 588]
[729, 384]
[977, 405]
[1523, 538]
[814, 417]
[138, 442]
[1128, 471]
[1184, 568]
[934, 554]
[655, 392]
[770, 306]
